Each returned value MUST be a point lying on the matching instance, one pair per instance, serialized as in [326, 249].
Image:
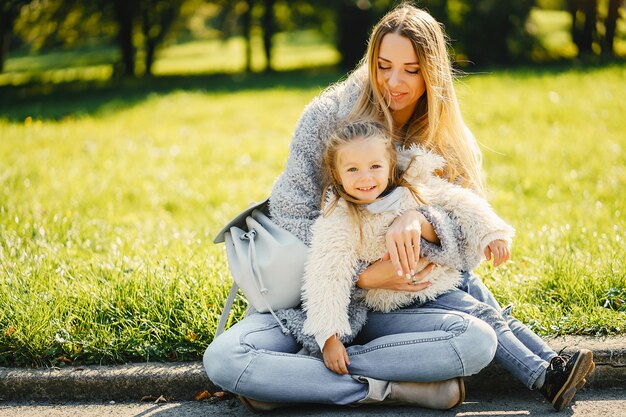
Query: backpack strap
[228, 305]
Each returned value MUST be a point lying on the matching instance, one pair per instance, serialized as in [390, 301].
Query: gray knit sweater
[296, 196]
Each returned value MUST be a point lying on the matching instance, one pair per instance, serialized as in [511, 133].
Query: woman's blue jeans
[520, 350]
[255, 359]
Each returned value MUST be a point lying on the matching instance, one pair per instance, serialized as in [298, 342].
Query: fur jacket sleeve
[327, 283]
[477, 222]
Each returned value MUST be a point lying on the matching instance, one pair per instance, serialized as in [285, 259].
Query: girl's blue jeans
[255, 359]
[520, 350]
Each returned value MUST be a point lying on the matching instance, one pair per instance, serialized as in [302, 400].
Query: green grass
[110, 198]
[557, 168]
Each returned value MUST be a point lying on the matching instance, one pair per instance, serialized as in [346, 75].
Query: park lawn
[110, 199]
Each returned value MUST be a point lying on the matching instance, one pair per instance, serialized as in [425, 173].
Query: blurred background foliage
[123, 38]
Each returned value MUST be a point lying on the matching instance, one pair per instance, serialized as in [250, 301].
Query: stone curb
[183, 380]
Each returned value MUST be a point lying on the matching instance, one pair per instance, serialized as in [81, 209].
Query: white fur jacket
[338, 247]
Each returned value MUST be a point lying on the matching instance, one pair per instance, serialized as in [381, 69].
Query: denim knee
[220, 363]
[480, 342]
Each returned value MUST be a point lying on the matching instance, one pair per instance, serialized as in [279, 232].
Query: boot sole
[583, 367]
[580, 385]
[258, 406]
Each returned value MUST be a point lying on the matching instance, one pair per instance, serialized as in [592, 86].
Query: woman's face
[399, 78]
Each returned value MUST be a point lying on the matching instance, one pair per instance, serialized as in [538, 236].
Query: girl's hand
[403, 242]
[335, 356]
[500, 251]
[383, 274]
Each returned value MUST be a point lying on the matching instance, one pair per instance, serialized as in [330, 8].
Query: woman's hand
[403, 241]
[382, 274]
[499, 250]
[335, 356]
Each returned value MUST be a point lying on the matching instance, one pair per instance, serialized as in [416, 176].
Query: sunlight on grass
[228, 56]
[299, 50]
[556, 166]
[107, 214]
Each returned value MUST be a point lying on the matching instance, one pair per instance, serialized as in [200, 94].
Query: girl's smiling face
[363, 168]
[398, 77]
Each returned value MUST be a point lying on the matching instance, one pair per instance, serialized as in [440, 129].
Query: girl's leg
[565, 375]
[511, 352]
[256, 360]
[475, 287]
[421, 344]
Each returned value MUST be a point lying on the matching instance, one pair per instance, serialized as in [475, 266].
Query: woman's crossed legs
[255, 359]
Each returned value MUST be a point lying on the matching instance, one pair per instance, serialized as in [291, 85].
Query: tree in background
[584, 18]
[242, 16]
[157, 18]
[152, 19]
[610, 26]
[125, 14]
[354, 20]
[137, 27]
[492, 32]
[9, 11]
[483, 31]
[269, 29]
[585, 15]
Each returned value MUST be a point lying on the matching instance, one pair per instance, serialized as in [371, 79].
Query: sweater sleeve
[296, 195]
[448, 252]
[476, 222]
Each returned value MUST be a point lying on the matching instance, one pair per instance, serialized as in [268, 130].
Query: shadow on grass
[529, 69]
[49, 101]
[46, 101]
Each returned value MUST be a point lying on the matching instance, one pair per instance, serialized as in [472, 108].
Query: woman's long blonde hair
[436, 123]
[333, 189]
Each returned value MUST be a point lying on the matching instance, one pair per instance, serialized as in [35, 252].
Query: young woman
[405, 81]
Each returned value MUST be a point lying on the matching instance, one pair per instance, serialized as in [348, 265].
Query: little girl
[368, 185]
[367, 189]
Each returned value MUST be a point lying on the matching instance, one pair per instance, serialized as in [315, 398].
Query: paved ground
[589, 403]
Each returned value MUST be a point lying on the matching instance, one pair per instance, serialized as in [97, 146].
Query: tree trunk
[125, 17]
[590, 10]
[150, 47]
[268, 32]
[157, 17]
[353, 25]
[573, 7]
[610, 24]
[7, 18]
[147, 21]
[8, 14]
[247, 34]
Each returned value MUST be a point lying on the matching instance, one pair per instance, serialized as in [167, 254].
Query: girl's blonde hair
[333, 189]
[436, 124]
